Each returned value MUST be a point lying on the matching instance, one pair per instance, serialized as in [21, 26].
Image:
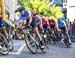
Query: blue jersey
[23, 17]
[64, 20]
[61, 23]
[1, 23]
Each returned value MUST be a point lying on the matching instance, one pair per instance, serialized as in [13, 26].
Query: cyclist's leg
[68, 37]
[65, 32]
[35, 27]
[4, 32]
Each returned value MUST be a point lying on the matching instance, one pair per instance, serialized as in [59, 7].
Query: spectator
[73, 28]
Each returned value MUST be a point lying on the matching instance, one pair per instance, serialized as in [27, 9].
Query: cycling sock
[69, 40]
[41, 42]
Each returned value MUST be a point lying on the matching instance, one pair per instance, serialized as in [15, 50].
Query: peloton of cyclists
[32, 19]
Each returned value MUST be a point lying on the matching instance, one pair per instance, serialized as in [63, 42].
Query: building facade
[71, 9]
[68, 8]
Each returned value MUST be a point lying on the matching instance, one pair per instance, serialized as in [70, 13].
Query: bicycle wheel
[44, 50]
[4, 45]
[31, 45]
[10, 43]
[46, 40]
[53, 37]
[67, 41]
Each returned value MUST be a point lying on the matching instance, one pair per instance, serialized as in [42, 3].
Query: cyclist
[24, 17]
[53, 30]
[36, 23]
[52, 24]
[45, 24]
[73, 26]
[63, 27]
[2, 28]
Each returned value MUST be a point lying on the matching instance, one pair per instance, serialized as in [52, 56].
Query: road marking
[13, 53]
[19, 50]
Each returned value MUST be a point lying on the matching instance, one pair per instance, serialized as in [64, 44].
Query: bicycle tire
[10, 42]
[6, 44]
[29, 48]
[67, 42]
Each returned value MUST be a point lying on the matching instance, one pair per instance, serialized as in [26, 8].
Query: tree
[43, 8]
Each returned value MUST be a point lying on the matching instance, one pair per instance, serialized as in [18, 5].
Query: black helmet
[20, 9]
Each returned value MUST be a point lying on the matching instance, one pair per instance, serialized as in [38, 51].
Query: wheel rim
[4, 46]
[31, 45]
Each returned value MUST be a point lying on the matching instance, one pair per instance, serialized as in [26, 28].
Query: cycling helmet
[20, 9]
[49, 18]
[44, 18]
[59, 19]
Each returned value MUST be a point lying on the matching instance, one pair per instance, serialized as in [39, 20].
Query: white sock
[69, 40]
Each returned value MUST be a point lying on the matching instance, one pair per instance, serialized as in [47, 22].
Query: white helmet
[49, 18]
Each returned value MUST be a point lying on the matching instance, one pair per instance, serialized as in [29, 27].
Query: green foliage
[43, 8]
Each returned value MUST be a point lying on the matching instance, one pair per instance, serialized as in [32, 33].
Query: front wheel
[66, 41]
[31, 45]
[10, 43]
[4, 45]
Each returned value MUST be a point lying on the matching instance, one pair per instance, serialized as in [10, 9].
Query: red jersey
[44, 21]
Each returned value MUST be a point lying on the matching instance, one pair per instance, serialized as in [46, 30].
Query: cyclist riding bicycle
[3, 28]
[63, 27]
[52, 23]
[36, 24]
[45, 24]
[24, 17]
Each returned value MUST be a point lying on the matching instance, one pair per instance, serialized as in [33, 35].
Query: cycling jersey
[1, 22]
[35, 21]
[61, 23]
[24, 17]
[44, 23]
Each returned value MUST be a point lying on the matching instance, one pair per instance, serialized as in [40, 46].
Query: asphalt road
[55, 51]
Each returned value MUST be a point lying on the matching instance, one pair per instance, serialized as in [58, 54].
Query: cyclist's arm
[48, 24]
[29, 17]
[65, 26]
[57, 26]
[40, 22]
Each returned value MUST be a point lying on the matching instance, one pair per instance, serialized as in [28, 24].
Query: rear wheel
[66, 41]
[44, 50]
[46, 41]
